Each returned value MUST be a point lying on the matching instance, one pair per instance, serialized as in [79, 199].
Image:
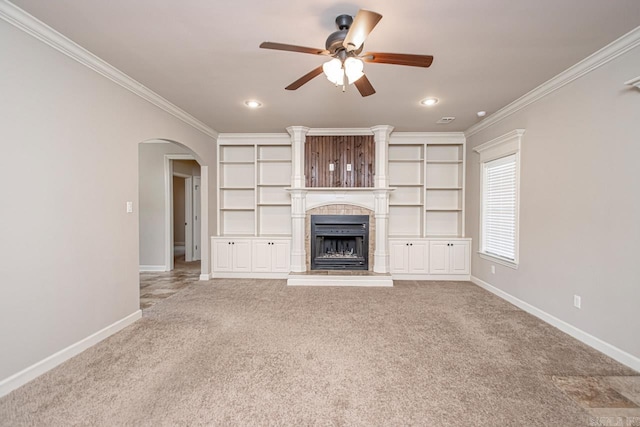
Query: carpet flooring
[249, 352]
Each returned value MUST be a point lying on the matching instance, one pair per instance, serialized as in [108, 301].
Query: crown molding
[41, 31]
[429, 137]
[592, 62]
[253, 136]
[339, 131]
[634, 82]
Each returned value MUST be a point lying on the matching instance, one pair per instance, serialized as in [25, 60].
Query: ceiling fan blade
[364, 86]
[398, 59]
[304, 79]
[293, 48]
[364, 22]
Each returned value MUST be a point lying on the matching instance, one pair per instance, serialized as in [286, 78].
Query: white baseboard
[205, 277]
[604, 347]
[248, 275]
[155, 268]
[435, 277]
[19, 379]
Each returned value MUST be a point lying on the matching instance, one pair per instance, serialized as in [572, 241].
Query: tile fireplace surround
[348, 201]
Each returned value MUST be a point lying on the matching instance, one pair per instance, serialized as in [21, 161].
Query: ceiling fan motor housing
[335, 41]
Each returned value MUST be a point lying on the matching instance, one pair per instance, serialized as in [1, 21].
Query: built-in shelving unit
[428, 174]
[253, 175]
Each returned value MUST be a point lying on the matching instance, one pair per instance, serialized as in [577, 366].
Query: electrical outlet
[493, 269]
[348, 167]
[577, 301]
[129, 207]
[331, 167]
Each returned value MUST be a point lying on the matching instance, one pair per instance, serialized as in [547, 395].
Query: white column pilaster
[298, 138]
[381, 213]
[298, 216]
[381, 137]
[298, 198]
[381, 198]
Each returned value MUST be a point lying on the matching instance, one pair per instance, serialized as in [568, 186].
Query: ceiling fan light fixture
[334, 71]
[353, 69]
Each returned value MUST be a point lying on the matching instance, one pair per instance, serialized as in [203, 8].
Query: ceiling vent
[445, 120]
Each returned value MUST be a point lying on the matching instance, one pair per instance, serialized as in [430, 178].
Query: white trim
[41, 31]
[150, 268]
[223, 136]
[168, 206]
[634, 82]
[377, 281]
[339, 131]
[502, 146]
[427, 137]
[592, 62]
[247, 275]
[21, 378]
[205, 277]
[497, 260]
[602, 346]
[439, 277]
[506, 144]
[178, 244]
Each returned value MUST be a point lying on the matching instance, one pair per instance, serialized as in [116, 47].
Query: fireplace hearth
[339, 242]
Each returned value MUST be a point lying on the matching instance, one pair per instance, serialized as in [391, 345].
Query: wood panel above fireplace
[352, 159]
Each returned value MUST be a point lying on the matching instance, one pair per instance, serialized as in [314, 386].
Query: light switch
[348, 167]
[129, 207]
[331, 166]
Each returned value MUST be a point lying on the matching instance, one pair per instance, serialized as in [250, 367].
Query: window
[499, 203]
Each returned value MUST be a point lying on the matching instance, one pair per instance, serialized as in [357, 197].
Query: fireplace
[339, 242]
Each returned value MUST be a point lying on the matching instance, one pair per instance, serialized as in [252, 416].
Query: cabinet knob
[229, 243]
[410, 244]
[233, 243]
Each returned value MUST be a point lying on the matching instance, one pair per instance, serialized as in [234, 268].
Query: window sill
[498, 260]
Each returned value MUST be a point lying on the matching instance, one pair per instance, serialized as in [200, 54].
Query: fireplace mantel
[364, 197]
[374, 198]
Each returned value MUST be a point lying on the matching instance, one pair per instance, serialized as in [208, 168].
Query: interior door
[188, 224]
[196, 218]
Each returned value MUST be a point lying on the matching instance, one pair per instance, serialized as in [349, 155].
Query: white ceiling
[203, 55]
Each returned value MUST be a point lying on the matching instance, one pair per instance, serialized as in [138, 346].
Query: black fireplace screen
[339, 242]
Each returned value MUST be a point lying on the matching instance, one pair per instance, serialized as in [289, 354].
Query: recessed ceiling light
[253, 103]
[429, 101]
[481, 113]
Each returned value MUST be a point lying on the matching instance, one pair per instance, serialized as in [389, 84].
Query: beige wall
[580, 204]
[71, 268]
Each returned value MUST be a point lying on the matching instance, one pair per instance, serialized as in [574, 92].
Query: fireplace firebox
[339, 242]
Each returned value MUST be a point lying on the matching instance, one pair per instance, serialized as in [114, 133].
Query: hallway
[156, 286]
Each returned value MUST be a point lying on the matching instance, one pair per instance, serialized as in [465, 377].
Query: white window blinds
[499, 207]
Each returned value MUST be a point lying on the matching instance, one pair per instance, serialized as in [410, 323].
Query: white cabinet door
[261, 256]
[241, 255]
[459, 262]
[399, 257]
[280, 256]
[222, 254]
[418, 257]
[439, 257]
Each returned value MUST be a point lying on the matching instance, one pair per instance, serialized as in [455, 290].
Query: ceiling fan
[345, 47]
